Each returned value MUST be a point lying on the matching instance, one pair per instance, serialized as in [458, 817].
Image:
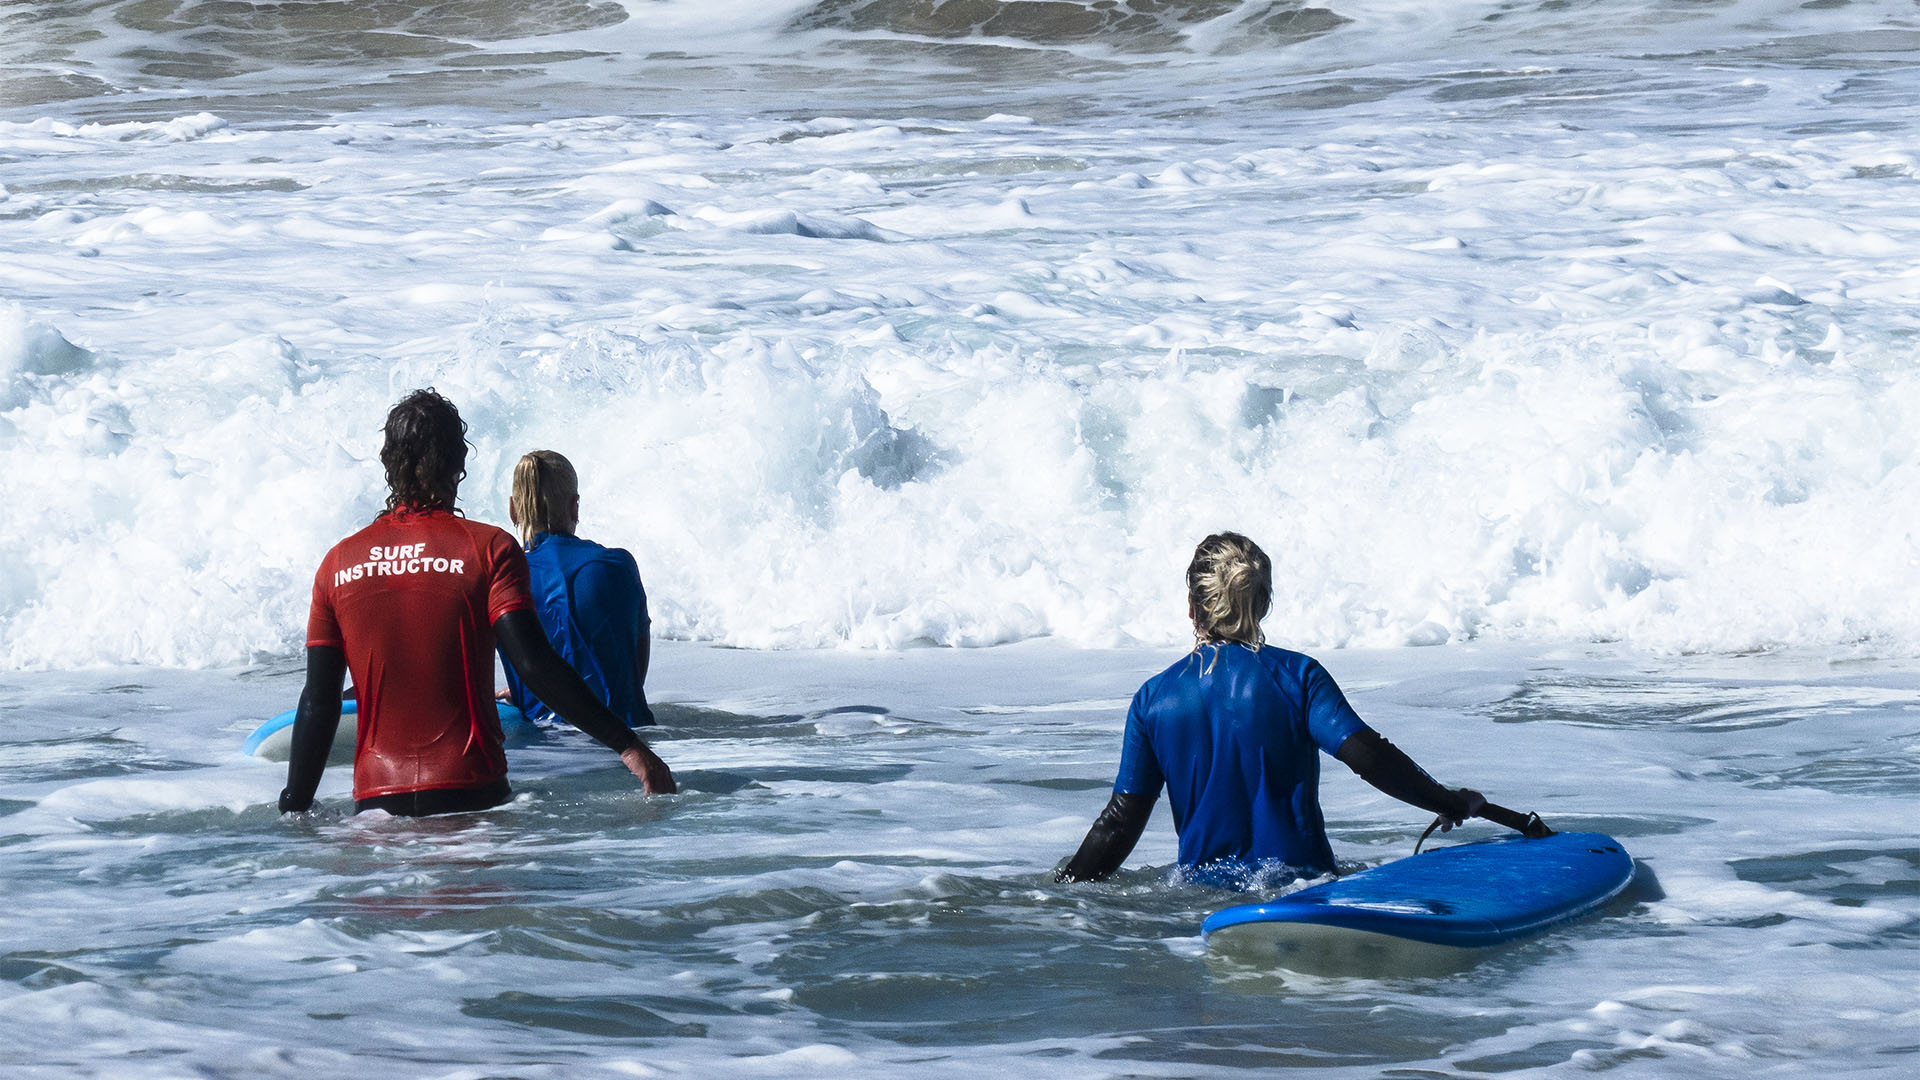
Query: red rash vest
[411, 599]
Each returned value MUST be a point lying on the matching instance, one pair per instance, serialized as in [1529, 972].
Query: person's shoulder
[497, 542]
[339, 546]
[1289, 670]
[323, 572]
[590, 551]
[357, 540]
[1182, 668]
[603, 551]
[480, 530]
[1283, 659]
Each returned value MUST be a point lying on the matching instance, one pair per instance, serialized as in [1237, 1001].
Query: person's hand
[655, 777]
[1470, 803]
[503, 694]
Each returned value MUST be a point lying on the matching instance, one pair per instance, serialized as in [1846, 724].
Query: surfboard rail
[1469, 896]
[273, 739]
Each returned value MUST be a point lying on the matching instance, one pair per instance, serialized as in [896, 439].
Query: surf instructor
[413, 605]
[1232, 731]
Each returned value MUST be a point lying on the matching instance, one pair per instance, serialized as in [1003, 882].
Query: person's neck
[425, 506]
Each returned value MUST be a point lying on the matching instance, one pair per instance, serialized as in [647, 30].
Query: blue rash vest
[1232, 733]
[594, 610]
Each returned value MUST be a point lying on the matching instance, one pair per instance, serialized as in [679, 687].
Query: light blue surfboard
[1434, 907]
[273, 740]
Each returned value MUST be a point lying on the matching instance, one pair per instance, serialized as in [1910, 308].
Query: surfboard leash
[1528, 825]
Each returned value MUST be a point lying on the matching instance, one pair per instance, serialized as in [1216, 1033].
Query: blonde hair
[544, 488]
[1230, 585]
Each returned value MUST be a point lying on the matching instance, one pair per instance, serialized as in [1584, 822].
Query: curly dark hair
[425, 453]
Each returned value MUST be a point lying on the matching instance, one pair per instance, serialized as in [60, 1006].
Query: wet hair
[1230, 585]
[544, 487]
[425, 452]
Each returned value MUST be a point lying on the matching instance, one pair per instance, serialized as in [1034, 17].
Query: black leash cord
[1528, 825]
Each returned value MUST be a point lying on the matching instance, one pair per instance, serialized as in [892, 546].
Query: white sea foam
[894, 416]
[30, 352]
[1584, 343]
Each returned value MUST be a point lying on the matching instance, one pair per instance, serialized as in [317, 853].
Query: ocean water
[1561, 353]
[856, 880]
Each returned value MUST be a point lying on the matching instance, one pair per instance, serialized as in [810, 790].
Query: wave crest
[1122, 25]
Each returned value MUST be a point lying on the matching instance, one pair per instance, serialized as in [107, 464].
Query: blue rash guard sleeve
[1330, 720]
[613, 592]
[608, 593]
[1140, 772]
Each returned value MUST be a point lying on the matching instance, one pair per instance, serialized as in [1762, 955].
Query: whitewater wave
[1420, 492]
[1149, 26]
[1614, 349]
[124, 57]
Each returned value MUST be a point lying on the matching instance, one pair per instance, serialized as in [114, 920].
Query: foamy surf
[963, 382]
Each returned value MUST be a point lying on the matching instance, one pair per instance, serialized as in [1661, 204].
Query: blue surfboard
[1451, 900]
[273, 740]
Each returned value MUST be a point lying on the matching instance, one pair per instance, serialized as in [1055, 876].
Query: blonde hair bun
[1230, 585]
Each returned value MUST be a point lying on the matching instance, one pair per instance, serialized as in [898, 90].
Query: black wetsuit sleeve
[1111, 838]
[314, 726]
[525, 645]
[1386, 767]
[642, 660]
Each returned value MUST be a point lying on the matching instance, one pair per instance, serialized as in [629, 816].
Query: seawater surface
[1509, 328]
[856, 878]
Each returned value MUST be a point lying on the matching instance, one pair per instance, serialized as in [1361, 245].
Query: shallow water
[856, 878]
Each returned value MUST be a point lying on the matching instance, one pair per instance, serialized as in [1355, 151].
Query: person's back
[589, 598]
[1233, 731]
[1236, 733]
[411, 600]
[594, 609]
